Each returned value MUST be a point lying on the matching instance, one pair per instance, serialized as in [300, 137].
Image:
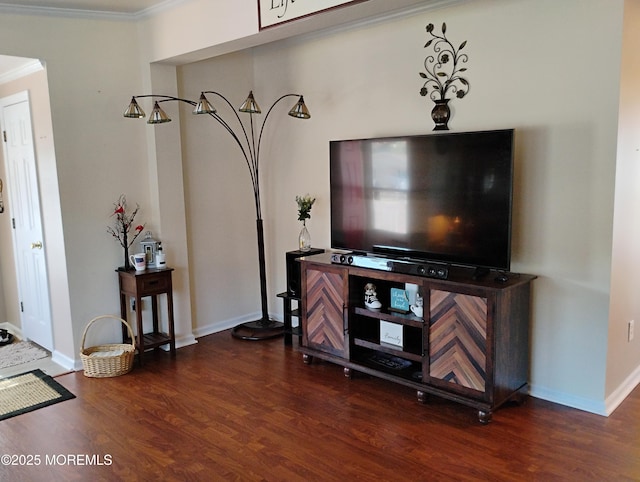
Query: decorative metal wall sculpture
[443, 68]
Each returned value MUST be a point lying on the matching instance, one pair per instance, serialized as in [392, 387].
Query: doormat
[30, 391]
[19, 353]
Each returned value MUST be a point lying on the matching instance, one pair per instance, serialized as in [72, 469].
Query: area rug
[20, 353]
[29, 391]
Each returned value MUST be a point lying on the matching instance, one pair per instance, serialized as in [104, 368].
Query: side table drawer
[154, 284]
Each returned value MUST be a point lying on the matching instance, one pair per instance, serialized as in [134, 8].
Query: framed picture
[275, 12]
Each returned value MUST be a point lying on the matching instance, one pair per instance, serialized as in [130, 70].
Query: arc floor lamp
[263, 328]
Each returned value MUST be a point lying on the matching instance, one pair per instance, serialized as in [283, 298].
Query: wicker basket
[102, 364]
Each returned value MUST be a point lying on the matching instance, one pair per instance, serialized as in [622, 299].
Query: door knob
[36, 245]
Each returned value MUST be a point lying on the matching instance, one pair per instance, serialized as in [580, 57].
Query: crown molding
[7, 8]
[161, 7]
[406, 12]
[22, 71]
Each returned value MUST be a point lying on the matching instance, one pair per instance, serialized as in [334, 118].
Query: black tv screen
[440, 197]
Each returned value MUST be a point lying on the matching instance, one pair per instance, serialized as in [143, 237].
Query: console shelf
[472, 346]
[387, 349]
[409, 320]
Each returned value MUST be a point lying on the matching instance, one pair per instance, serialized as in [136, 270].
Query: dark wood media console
[471, 345]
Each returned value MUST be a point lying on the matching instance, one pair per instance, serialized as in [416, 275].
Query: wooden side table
[293, 293]
[288, 314]
[138, 284]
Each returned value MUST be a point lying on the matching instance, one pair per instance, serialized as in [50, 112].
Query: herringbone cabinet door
[325, 326]
[458, 339]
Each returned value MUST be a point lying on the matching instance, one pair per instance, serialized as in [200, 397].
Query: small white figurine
[417, 309]
[371, 297]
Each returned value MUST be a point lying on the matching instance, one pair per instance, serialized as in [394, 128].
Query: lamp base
[258, 330]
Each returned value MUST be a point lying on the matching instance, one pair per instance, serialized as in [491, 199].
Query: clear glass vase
[304, 238]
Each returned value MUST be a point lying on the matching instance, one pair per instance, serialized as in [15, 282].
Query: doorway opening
[29, 190]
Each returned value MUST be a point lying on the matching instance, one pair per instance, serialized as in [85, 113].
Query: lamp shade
[300, 110]
[204, 106]
[250, 106]
[133, 110]
[158, 116]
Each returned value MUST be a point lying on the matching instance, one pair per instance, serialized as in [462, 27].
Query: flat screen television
[440, 197]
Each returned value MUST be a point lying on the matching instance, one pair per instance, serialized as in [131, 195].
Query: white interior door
[23, 193]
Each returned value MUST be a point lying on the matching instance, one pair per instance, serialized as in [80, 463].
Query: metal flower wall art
[442, 75]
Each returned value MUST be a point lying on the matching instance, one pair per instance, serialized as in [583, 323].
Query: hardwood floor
[227, 409]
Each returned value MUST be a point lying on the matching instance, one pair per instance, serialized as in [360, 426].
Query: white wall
[532, 68]
[623, 369]
[92, 68]
[197, 24]
[221, 213]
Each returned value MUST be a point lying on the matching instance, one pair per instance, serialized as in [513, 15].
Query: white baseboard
[187, 340]
[64, 361]
[224, 325]
[562, 398]
[191, 338]
[181, 341]
[599, 407]
[619, 394]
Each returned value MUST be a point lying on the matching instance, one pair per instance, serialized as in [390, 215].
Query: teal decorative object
[399, 300]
